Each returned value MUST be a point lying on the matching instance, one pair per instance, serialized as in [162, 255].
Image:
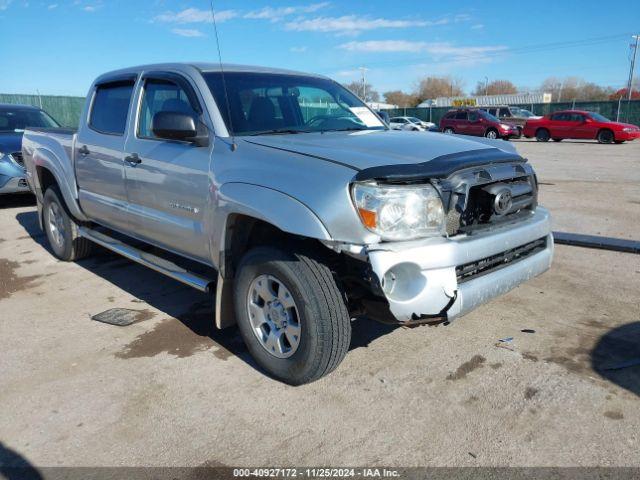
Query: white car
[410, 123]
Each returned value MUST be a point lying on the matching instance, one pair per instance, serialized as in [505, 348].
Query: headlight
[626, 129]
[399, 212]
[504, 126]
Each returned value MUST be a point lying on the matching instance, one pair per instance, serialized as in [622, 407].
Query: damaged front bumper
[444, 278]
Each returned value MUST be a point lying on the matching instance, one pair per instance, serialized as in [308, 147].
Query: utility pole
[364, 84]
[633, 64]
[486, 86]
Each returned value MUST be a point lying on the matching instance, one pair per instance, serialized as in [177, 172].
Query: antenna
[234, 146]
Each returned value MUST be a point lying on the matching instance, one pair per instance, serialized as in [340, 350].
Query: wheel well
[606, 130]
[541, 129]
[245, 232]
[45, 178]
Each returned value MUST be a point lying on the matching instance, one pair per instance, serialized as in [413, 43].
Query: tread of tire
[81, 247]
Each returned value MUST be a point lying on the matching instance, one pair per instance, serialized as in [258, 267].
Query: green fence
[66, 110]
[623, 111]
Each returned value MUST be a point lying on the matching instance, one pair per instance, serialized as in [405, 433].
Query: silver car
[286, 197]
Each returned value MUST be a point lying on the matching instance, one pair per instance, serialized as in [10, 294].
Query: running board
[154, 262]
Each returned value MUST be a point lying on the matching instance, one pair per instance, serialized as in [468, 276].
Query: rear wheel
[448, 130]
[605, 136]
[291, 314]
[491, 133]
[542, 135]
[61, 229]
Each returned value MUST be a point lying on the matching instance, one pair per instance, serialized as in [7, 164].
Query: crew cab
[580, 124]
[477, 122]
[297, 218]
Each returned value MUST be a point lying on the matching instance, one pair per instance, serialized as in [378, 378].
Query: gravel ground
[169, 391]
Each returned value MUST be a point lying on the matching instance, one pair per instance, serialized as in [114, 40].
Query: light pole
[364, 84]
[486, 86]
[633, 64]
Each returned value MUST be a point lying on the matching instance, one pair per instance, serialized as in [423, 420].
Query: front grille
[17, 157]
[476, 208]
[472, 270]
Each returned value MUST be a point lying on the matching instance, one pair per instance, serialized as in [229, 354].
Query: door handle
[83, 150]
[134, 159]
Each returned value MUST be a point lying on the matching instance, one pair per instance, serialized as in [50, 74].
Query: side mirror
[178, 126]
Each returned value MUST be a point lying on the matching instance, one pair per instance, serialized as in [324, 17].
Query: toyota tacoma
[288, 199]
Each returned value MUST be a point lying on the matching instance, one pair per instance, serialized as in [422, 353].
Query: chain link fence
[67, 110]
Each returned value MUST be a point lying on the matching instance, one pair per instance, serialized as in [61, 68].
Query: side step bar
[154, 262]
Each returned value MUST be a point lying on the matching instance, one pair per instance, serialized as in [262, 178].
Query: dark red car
[471, 121]
[580, 124]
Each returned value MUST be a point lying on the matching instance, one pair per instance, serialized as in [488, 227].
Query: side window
[161, 96]
[576, 117]
[504, 112]
[558, 117]
[473, 116]
[461, 115]
[450, 115]
[110, 107]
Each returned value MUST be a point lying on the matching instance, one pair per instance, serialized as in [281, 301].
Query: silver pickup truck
[287, 198]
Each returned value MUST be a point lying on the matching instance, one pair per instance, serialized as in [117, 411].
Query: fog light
[403, 282]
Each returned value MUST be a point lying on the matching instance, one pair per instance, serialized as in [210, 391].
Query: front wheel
[605, 136]
[542, 135]
[291, 314]
[448, 130]
[491, 133]
[61, 229]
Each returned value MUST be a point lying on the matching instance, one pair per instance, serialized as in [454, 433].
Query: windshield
[17, 119]
[488, 116]
[526, 113]
[599, 118]
[415, 120]
[267, 103]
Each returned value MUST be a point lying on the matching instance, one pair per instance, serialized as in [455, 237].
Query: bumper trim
[423, 279]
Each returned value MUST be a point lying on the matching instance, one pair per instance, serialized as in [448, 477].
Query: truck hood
[10, 142]
[382, 148]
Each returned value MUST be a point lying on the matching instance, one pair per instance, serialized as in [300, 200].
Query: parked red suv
[580, 124]
[467, 121]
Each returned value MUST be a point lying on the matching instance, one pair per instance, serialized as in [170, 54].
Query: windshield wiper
[348, 129]
[279, 131]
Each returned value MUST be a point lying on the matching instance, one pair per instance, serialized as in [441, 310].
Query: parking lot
[170, 390]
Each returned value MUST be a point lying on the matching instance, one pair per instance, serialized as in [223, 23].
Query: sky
[59, 46]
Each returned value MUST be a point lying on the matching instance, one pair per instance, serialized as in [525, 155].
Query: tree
[574, 88]
[401, 99]
[624, 94]
[496, 87]
[356, 87]
[434, 87]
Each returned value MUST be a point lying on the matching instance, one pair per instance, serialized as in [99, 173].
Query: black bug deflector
[439, 167]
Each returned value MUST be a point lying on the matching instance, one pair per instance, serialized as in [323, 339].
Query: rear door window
[504, 112]
[461, 115]
[110, 107]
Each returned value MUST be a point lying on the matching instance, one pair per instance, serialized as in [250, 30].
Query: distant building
[381, 106]
[486, 100]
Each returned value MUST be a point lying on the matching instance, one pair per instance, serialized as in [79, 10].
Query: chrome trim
[158, 264]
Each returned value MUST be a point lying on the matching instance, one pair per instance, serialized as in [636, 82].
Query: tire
[605, 136]
[557, 139]
[542, 135]
[319, 314]
[492, 133]
[619, 142]
[448, 130]
[61, 229]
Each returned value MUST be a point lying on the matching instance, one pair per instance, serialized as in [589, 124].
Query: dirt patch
[10, 282]
[28, 262]
[467, 367]
[190, 333]
[614, 415]
[496, 366]
[530, 392]
[530, 356]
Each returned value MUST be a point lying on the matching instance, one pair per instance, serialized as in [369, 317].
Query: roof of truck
[203, 67]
